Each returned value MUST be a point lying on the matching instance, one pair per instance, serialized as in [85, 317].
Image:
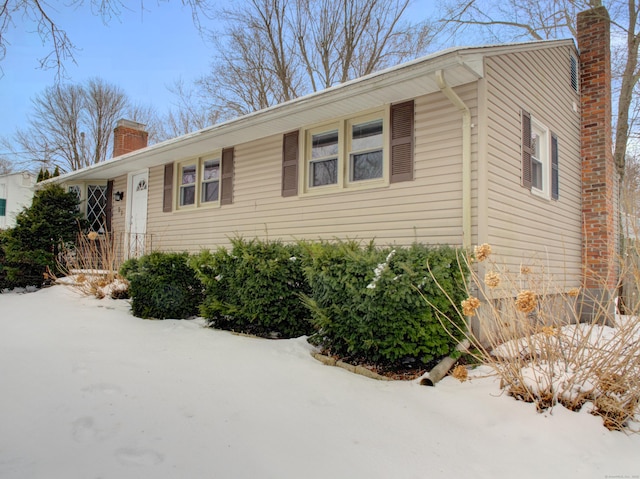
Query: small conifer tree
[33, 245]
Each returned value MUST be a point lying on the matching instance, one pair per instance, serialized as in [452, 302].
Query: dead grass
[93, 264]
[528, 329]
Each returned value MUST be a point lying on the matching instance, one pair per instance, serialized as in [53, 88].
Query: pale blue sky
[141, 53]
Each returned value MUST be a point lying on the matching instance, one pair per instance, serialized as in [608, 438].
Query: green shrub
[33, 245]
[162, 285]
[367, 303]
[4, 282]
[255, 288]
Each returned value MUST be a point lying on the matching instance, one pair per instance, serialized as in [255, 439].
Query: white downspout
[466, 155]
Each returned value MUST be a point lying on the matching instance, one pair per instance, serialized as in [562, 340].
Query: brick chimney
[599, 176]
[128, 136]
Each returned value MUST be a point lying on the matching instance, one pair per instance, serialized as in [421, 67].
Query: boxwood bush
[367, 302]
[162, 285]
[254, 288]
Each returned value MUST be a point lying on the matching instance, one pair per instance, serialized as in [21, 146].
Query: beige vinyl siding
[427, 209]
[118, 210]
[522, 227]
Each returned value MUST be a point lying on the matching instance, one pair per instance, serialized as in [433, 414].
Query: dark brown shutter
[402, 142]
[555, 181]
[167, 198]
[526, 149]
[290, 164]
[226, 179]
[108, 210]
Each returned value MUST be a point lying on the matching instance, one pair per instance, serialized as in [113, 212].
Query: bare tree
[71, 125]
[275, 50]
[191, 112]
[544, 19]
[40, 16]
[6, 166]
[104, 104]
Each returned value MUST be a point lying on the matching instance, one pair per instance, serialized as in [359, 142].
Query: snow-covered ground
[89, 391]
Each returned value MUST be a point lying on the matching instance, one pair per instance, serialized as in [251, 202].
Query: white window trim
[199, 164]
[545, 152]
[344, 149]
[84, 186]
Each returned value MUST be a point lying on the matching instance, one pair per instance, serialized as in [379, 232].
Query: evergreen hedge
[33, 245]
[367, 303]
[254, 288]
[162, 286]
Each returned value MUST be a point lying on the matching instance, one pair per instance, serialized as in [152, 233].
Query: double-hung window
[539, 158]
[347, 153]
[199, 182]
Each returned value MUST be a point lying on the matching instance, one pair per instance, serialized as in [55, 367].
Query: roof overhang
[408, 80]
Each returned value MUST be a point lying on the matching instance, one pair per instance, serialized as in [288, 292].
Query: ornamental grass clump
[527, 327]
[93, 263]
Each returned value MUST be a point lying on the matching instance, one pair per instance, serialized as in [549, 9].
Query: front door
[138, 214]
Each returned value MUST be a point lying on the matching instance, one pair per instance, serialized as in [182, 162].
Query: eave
[408, 80]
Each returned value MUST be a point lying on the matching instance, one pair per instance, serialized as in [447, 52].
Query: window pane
[366, 136]
[210, 191]
[187, 195]
[96, 207]
[536, 174]
[75, 189]
[3, 207]
[211, 170]
[324, 144]
[535, 144]
[365, 166]
[188, 174]
[324, 172]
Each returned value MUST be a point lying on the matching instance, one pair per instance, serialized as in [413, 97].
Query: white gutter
[466, 155]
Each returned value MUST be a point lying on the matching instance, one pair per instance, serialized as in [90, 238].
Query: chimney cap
[130, 124]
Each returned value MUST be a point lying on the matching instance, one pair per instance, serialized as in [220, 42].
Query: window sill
[348, 187]
[202, 206]
[540, 194]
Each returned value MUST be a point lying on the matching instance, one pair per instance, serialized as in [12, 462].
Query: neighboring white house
[16, 191]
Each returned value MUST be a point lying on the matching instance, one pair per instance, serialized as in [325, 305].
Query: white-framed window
[199, 182]
[540, 165]
[540, 154]
[96, 207]
[346, 153]
[92, 203]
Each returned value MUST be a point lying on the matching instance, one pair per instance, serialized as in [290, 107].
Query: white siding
[17, 190]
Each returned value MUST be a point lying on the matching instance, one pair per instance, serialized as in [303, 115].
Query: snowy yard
[89, 391]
